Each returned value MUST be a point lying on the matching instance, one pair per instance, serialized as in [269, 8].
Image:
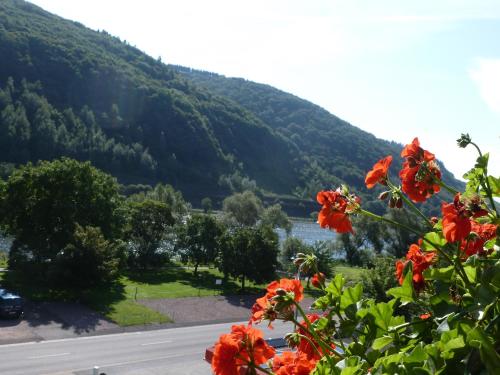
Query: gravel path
[207, 309]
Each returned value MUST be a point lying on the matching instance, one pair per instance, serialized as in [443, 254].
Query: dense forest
[69, 91]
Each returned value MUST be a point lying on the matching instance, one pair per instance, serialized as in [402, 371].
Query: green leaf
[321, 324]
[494, 185]
[455, 343]
[482, 161]
[443, 274]
[355, 370]
[382, 342]
[473, 178]
[323, 368]
[335, 286]
[437, 240]
[382, 314]
[350, 296]
[322, 303]
[417, 355]
[479, 339]
[404, 292]
[470, 271]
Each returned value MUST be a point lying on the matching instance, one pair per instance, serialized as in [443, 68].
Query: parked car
[11, 305]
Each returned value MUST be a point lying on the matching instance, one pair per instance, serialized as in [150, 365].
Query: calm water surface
[307, 231]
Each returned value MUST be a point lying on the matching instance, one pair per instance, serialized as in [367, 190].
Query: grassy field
[351, 274]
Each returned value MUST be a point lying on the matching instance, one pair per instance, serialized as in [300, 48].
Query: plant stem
[487, 186]
[442, 184]
[416, 210]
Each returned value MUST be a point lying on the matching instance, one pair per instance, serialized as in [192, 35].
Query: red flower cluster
[265, 307]
[336, 209]
[293, 363]
[480, 234]
[318, 279]
[456, 217]
[304, 345]
[420, 261]
[419, 172]
[242, 346]
[378, 174]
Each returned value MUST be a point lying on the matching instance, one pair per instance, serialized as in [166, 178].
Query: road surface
[171, 351]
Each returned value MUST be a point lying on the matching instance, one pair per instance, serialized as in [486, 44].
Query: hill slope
[68, 90]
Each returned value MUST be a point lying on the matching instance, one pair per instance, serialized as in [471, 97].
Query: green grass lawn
[351, 274]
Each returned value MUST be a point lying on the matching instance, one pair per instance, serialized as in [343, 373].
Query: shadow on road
[67, 313]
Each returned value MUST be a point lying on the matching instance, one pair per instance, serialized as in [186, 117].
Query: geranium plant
[442, 319]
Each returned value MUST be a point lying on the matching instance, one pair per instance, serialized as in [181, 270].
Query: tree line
[72, 228]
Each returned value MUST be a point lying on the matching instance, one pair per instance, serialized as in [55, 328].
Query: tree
[88, 260]
[198, 240]
[275, 217]
[249, 254]
[244, 208]
[168, 195]
[148, 222]
[206, 204]
[44, 204]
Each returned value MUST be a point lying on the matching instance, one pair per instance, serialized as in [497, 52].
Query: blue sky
[397, 69]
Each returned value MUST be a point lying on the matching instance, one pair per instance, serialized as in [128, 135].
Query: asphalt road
[178, 351]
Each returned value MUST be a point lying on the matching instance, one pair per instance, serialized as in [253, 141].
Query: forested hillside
[68, 90]
[336, 151]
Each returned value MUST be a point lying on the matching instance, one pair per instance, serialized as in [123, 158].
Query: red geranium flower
[480, 233]
[456, 222]
[293, 363]
[335, 211]
[425, 316]
[318, 279]
[419, 172]
[265, 307]
[420, 261]
[242, 346]
[378, 174]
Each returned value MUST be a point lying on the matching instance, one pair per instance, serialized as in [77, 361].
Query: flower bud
[383, 196]
[392, 202]
[281, 292]
[399, 203]
[298, 261]
[292, 339]
[464, 141]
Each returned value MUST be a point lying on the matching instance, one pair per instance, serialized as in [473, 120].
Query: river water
[307, 231]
